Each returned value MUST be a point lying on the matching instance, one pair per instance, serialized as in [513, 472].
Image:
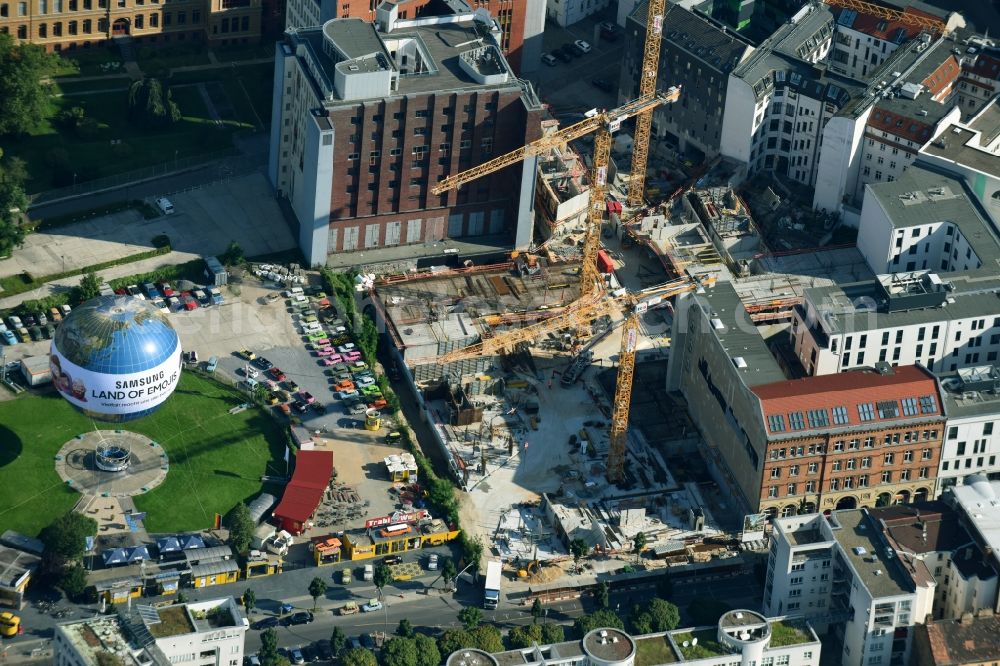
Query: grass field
[54, 154]
[216, 458]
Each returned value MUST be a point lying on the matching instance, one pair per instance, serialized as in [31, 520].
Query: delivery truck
[491, 589]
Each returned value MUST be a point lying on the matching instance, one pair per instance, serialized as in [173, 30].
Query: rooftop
[609, 645]
[923, 527]
[744, 344]
[105, 635]
[15, 566]
[968, 145]
[174, 621]
[858, 398]
[912, 108]
[971, 391]
[967, 641]
[717, 46]
[868, 554]
[979, 499]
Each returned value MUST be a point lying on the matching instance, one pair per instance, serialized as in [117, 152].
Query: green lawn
[104, 83]
[158, 60]
[238, 53]
[708, 645]
[785, 633]
[654, 651]
[216, 458]
[89, 62]
[115, 146]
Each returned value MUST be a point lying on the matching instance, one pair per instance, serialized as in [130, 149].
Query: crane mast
[647, 88]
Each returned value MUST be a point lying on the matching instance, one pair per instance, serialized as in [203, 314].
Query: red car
[277, 374]
[306, 397]
[167, 290]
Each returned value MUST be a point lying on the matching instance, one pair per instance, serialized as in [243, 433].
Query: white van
[165, 206]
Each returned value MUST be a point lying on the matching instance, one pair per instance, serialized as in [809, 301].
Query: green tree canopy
[67, 536]
[399, 651]
[249, 599]
[553, 633]
[338, 639]
[90, 287]
[487, 637]
[448, 570]
[405, 629]
[23, 96]
[601, 618]
[269, 647]
[427, 651]
[470, 617]
[382, 576]
[536, 610]
[524, 636]
[602, 595]
[241, 527]
[453, 640]
[358, 657]
[150, 105]
[317, 588]
[578, 548]
[74, 580]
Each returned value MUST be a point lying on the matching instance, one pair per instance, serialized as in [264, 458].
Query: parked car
[151, 290]
[36, 333]
[247, 354]
[14, 322]
[49, 331]
[165, 206]
[263, 363]
[41, 319]
[300, 406]
[277, 374]
[295, 656]
[306, 397]
[266, 623]
[432, 562]
[213, 363]
[365, 381]
[29, 320]
[572, 50]
[133, 290]
[166, 289]
[393, 559]
[251, 660]
[345, 577]
[302, 617]
[343, 395]
[603, 85]
[8, 337]
[65, 310]
[251, 372]
[549, 59]
[55, 315]
[582, 45]
[350, 608]
[357, 409]
[372, 605]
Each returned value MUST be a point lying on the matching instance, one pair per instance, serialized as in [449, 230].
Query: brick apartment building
[520, 21]
[61, 25]
[366, 119]
[850, 440]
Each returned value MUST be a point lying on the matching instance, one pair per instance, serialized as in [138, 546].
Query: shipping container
[604, 263]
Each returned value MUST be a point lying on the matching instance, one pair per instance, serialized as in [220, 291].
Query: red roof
[305, 491]
[808, 403]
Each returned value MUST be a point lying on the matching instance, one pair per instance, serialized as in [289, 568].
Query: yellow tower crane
[582, 312]
[647, 87]
[604, 123]
[930, 23]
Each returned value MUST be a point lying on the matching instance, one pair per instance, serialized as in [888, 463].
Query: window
[909, 406]
[420, 114]
[776, 422]
[419, 131]
[866, 411]
[395, 152]
[792, 487]
[793, 470]
[887, 477]
[836, 465]
[373, 157]
[775, 472]
[795, 421]
[840, 415]
[415, 182]
[444, 148]
[818, 418]
[887, 409]
[889, 458]
[928, 405]
[907, 456]
[772, 491]
[464, 144]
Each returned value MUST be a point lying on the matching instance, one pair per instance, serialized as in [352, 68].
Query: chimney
[966, 619]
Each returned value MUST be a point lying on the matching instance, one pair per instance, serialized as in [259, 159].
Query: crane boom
[623, 399]
[561, 137]
[647, 86]
[931, 23]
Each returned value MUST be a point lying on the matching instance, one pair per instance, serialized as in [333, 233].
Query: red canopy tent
[305, 491]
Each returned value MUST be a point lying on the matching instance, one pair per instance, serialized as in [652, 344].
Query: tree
[448, 570]
[427, 651]
[638, 543]
[536, 611]
[640, 620]
[241, 528]
[74, 580]
[405, 629]
[470, 617]
[317, 588]
[524, 636]
[453, 640]
[23, 96]
[553, 633]
[579, 549]
[487, 638]
[249, 600]
[268, 647]
[67, 535]
[90, 287]
[337, 641]
[233, 254]
[150, 105]
[664, 614]
[358, 657]
[382, 576]
[602, 595]
[13, 203]
[399, 651]
[473, 550]
[601, 618]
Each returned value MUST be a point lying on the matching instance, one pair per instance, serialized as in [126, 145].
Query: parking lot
[568, 87]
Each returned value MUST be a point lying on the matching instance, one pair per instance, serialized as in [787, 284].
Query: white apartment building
[980, 80]
[568, 12]
[740, 637]
[863, 42]
[978, 502]
[973, 408]
[935, 304]
[204, 633]
[870, 575]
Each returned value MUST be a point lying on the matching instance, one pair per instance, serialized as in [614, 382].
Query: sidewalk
[144, 266]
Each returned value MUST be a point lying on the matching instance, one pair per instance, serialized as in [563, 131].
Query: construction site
[544, 377]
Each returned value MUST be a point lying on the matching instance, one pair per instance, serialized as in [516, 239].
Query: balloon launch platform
[112, 463]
